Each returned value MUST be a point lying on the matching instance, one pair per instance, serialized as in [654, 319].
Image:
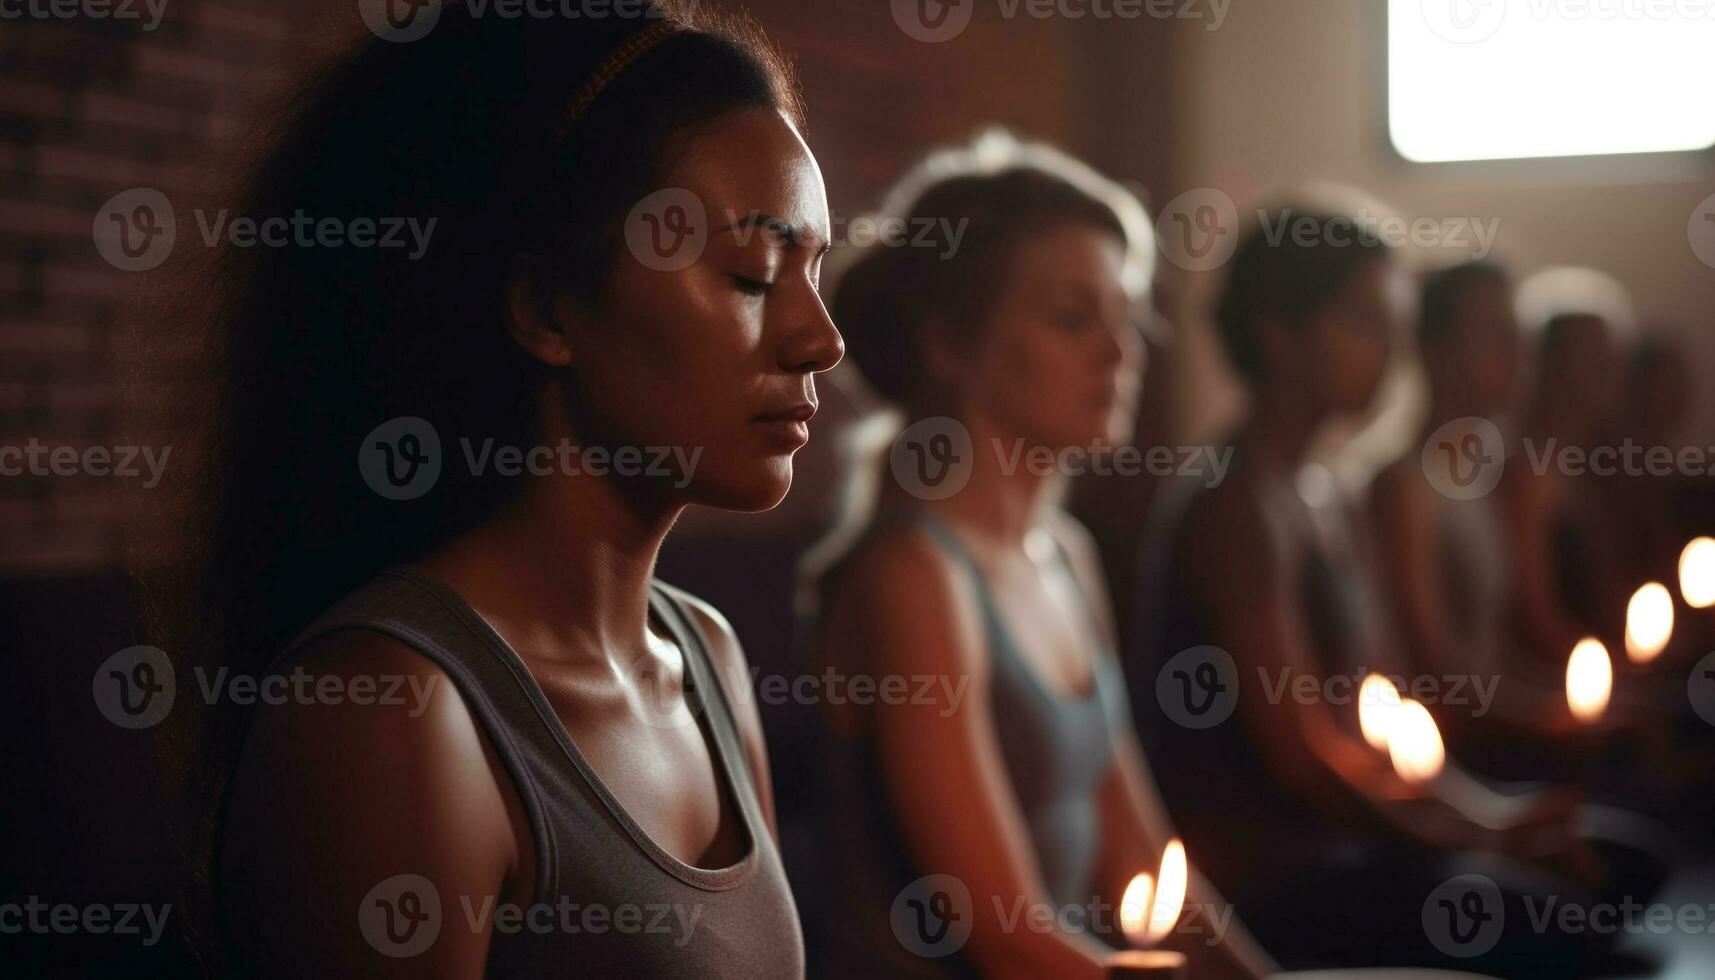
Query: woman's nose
[813, 343]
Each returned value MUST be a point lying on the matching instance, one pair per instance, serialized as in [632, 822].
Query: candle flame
[1378, 707]
[1649, 623]
[1170, 894]
[1414, 743]
[1134, 908]
[1697, 573]
[1149, 913]
[1589, 679]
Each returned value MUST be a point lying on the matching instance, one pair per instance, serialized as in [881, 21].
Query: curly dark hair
[308, 349]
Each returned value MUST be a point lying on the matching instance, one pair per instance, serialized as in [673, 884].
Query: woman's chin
[749, 493]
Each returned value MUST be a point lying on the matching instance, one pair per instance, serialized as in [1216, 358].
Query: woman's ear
[538, 319]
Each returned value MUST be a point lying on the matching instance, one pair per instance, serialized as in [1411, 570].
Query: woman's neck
[1279, 430]
[1006, 496]
[566, 563]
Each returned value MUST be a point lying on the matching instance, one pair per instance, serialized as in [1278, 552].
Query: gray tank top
[1057, 749]
[661, 917]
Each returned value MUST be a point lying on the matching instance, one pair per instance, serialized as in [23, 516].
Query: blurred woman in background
[1440, 530]
[1016, 774]
[579, 743]
[1262, 588]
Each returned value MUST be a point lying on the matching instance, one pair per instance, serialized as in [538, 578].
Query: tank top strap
[410, 607]
[944, 535]
[710, 695]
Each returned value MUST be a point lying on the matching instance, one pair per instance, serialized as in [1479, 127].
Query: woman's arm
[1401, 519]
[905, 610]
[334, 801]
[1136, 825]
[1238, 566]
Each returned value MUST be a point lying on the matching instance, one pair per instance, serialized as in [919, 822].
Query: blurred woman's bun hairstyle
[888, 296]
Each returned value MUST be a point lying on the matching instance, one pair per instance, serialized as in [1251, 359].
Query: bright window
[1500, 79]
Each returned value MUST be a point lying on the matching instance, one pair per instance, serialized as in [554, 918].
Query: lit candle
[1148, 913]
[1697, 573]
[1378, 708]
[1649, 623]
[1170, 890]
[1152, 905]
[1589, 680]
[1158, 964]
[1414, 743]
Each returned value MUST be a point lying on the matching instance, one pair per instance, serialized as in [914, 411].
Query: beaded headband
[632, 48]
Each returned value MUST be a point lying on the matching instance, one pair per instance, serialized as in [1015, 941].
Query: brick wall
[90, 108]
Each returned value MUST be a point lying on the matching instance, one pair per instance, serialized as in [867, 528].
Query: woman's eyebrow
[779, 230]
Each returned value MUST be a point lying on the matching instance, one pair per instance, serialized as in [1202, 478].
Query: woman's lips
[801, 412]
[791, 425]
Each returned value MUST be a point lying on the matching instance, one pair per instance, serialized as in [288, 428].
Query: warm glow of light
[1589, 679]
[1147, 913]
[1505, 79]
[1134, 908]
[1697, 573]
[1414, 743]
[1378, 707]
[1170, 895]
[1649, 623]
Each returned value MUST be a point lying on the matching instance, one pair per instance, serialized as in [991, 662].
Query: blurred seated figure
[1441, 533]
[1259, 620]
[992, 772]
[1643, 514]
[1565, 581]
[1642, 505]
